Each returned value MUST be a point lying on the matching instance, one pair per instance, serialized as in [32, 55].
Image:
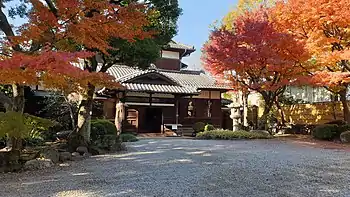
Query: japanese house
[166, 94]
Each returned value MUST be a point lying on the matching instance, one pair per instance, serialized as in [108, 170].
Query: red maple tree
[255, 56]
[63, 32]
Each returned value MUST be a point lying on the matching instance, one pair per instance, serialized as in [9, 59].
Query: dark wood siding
[135, 115]
[132, 121]
[169, 115]
[200, 112]
[169, 64]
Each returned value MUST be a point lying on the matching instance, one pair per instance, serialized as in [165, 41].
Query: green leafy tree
[144, 52]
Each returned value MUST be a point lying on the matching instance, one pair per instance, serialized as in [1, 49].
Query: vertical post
[245, 109]
[177, 109]
[150, 99]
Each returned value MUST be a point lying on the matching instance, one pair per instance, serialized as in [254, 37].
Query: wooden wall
[168, 64]
[200, 103]
[200, 112]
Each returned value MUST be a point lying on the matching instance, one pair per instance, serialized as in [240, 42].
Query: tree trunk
[346, 111]
[281, 112]
[18, 98]
[269, 99]
[84, 114]
[17, 106]
[263, 118]
[71, 112]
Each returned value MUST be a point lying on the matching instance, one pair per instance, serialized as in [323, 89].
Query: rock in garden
[87, 155]
[65, 156]
[38, 164]
[51, 154]
[345, 137]
[82, 150]
[94, 150]
[63, 134]
[28, 155]
[76, 156]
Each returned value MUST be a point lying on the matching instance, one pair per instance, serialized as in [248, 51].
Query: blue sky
[194, 24]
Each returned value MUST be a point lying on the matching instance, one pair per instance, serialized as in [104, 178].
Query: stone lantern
[235, 115]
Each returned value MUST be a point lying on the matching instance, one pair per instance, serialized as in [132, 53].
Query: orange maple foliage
[324, 25]
[65, 32]
[52, 69]
[254, 56]
[89, 23]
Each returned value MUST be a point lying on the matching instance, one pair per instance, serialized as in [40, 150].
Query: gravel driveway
[181, 167]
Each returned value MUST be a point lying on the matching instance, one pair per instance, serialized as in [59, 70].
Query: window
[170, 55]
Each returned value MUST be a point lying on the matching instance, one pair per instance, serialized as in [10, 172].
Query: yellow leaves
[324, 27]
[242, 7]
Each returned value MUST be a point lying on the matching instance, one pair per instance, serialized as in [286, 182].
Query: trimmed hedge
[231, 135]
[326, 132]
[128, 137]
[101, 127]
[209, 127]
[104, 134]
[343, 128]
[329, 131]
[198, 127]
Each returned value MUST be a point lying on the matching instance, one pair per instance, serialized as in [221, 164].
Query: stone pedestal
[235, 116]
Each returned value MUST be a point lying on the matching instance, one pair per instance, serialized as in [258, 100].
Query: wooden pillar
[221, 116]
[150, 99]
[177, 109]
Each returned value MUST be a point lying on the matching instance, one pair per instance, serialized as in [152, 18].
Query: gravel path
[180, 167]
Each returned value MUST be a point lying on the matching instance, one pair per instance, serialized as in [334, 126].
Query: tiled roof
[195, 79]
[177, 45]
[188, 81]
[160, 88]
[135, 74]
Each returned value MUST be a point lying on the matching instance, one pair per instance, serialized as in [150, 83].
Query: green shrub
[12, 124]
[209, 127]
[41, 130]
[230, 135]
[343, 128]
[100, 128]
[337, 122]
[23, 126]
[198, 127]
[103, 134]
[326, 132]
[128, 137]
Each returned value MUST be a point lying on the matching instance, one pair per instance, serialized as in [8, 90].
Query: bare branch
[52, 7]
[7, 29]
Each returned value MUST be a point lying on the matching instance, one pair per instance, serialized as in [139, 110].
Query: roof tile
[188, 81]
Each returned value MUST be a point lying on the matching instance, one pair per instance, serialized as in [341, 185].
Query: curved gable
[149, 77]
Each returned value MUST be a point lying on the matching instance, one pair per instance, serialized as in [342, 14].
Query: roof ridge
[179, 43]
[182, 71]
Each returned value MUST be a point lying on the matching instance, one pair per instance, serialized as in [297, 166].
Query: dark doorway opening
[153, 120]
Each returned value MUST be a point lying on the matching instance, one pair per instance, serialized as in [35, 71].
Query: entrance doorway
[153, 120]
